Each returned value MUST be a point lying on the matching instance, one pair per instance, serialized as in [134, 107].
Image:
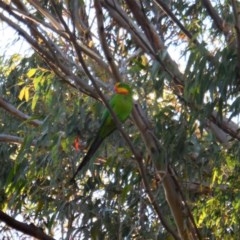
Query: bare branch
[220, 135]
[153, 199]
[47, 15]
[166, 9]
[148, 28]
[29, 229]
[10, 139]
[104, 44]
[220, 24]
[228, 127]
[14, 139]
[123, 20]
[236, 13]
[195, 233]
[17, 113]
[79, 46]
[154, 150]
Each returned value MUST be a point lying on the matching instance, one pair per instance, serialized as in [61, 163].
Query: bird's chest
[123, 103]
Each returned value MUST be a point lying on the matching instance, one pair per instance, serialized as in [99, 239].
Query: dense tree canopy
[172, 170]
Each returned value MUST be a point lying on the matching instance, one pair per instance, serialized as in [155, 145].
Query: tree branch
[173, 197]
[147, 27]
[15, 112]
[124, 21]
[29, 229]
[10, 139]
[228, 127]
[104, 44]
[153, 199]
[220, 24]
[236, 13]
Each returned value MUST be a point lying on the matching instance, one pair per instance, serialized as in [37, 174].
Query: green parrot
[121, 103]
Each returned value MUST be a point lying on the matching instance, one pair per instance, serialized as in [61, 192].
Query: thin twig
[103, 41]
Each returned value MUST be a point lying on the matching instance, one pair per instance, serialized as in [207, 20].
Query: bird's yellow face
[122, 88]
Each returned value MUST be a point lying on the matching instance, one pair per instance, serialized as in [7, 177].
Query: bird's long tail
[93, 148]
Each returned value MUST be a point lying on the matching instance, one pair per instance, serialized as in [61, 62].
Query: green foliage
[220, 211]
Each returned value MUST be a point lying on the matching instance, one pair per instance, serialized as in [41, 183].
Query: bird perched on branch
[121, 103]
